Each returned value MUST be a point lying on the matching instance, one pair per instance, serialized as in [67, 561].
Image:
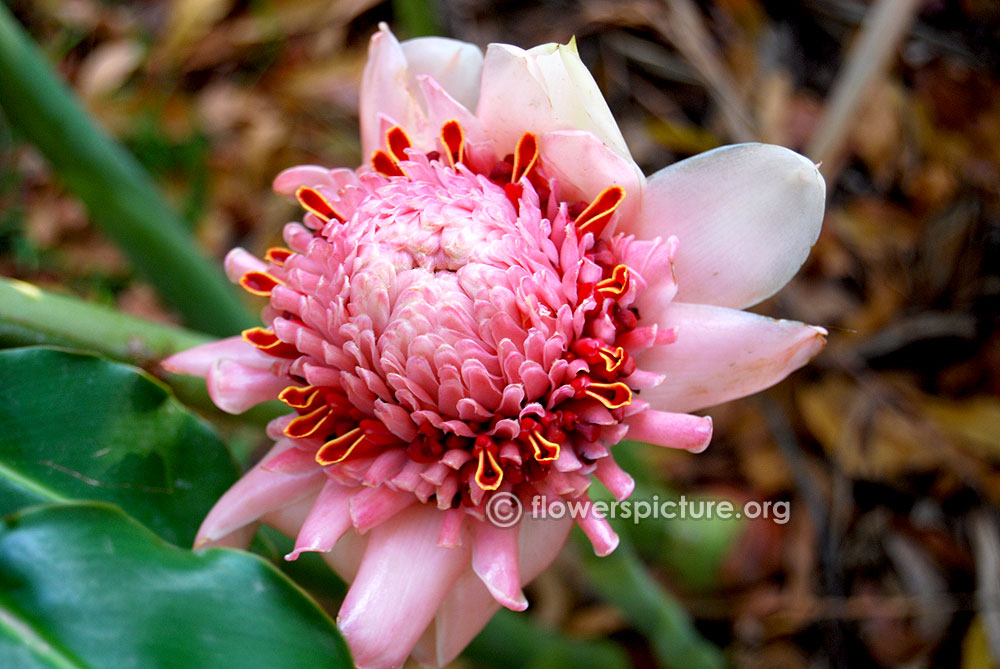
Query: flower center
[439, 224]
[465, 331]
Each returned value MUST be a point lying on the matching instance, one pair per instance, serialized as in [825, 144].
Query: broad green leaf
[77, 427]
[84, 585]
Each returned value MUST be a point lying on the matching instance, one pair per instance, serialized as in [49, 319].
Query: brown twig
[684, 27]
[867, 61]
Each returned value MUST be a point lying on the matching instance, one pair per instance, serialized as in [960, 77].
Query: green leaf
[120, 196]
[79, 427]
[84, 585]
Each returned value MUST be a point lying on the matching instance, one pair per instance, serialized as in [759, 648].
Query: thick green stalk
[30, 316]
[118, 192]
[623, 580]
[691, 550]
[416, 18]
[513, 640]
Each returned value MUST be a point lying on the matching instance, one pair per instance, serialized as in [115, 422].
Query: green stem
[416, 18]
[513, 640]
[622, 579]
[691, 550]
[32, 316]
[118, 192]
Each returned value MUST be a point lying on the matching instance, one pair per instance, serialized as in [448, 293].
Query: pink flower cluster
[493, 302]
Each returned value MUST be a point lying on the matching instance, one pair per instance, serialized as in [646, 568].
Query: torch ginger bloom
[480, 313]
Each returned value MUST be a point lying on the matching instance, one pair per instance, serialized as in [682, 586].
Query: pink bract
[486, 308]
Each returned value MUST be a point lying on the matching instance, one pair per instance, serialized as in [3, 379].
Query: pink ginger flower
[481, 313]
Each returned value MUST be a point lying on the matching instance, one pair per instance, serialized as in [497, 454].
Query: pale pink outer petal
[240, 261]
[602, 536]
[673, 430]
[403, 578]
[495, 562]
[258, 492]
[385, 90]
[585, 166]
[373, 506]
[746, 216]
[240, 539]
[235, 387]
[614, 478]
[390, 86]
[547, 88]
[291, 179]
[469, 605]
[344, 558]
[456, 66]
[721, 354]
[198, 360]
[327, 521]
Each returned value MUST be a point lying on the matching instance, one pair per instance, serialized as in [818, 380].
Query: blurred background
[885, 448]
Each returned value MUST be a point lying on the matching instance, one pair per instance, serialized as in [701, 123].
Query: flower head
[483, 311]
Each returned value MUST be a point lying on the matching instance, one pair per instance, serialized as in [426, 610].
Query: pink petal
[614, 478]
[295, 461]
[240, 261]
[239, 539]
[235, 387]
[198, 360]
[403, 578]
[258, 492]
[456, 66]
[597, 528]
[585, 166]
[288, 519]
[344, 558]
[373, 506]
[545, 89]
[494, 560]
[328, 519]
[442, 107]
[290, 180]
[721, 354]
[385, 90]
[450, 535]
[673, 430]
[469, 605]
[746, 217]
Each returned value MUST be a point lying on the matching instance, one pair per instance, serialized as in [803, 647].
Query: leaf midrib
[24, 630]
[31, 485]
